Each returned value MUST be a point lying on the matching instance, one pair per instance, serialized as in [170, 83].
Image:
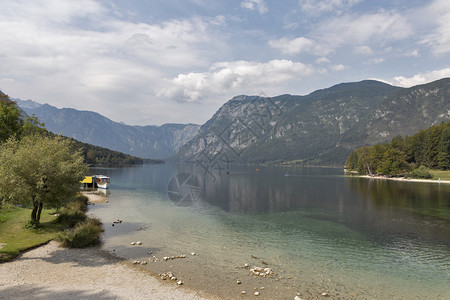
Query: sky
[145, 62]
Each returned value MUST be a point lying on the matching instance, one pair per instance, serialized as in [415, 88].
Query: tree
[12, 121]
[39, 170]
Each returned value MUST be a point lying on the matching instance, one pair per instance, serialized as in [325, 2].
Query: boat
[96, 181]
[102, 181]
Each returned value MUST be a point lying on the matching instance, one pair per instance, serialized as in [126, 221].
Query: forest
[428, 148]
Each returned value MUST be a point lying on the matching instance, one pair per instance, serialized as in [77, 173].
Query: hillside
[428, 148]
[156, 142]
[321, 128]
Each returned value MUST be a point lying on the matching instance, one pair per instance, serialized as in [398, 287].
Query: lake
[318, 230]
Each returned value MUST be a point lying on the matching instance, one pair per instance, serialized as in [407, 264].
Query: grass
[443, 175]
[18, 238]
[72, 222]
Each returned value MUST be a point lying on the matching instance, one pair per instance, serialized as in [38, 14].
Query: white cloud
[420, 78]
[74, 54]
[339, 67]
[231, 78]
[294, 46]
[351, 29]
[322, 60]
[299, 45]
[336, 6]
[365, 50]
[412, 53]
[438, 14]
[376, 61]
[259, 5]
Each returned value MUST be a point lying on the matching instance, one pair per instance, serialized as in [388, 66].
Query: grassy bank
[15, 238]
[71, 227]
[443, 175]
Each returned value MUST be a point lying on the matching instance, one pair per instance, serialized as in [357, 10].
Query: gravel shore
[52, 272]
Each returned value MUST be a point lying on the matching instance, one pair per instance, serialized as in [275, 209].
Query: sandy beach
[404, 179]
[52, 272]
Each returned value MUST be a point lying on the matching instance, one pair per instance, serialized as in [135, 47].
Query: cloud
[420, 78]
[298, 45]
[336, 6]
[438, 14]
[376, 61]
[365, 50]
[349, 29]
[76, 54]
[259, 5]
[339, 67]
[294, 46]
[412, 53]
[231, 78]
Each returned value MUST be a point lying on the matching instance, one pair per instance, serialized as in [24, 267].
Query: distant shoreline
[402, 179]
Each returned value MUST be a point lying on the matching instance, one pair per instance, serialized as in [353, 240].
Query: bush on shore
[74, 212]
[84, 234]
[422, 173]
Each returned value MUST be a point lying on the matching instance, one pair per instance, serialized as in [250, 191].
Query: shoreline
[402, 179]
[53, 272]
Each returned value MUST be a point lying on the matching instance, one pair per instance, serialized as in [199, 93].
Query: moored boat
[96, 181]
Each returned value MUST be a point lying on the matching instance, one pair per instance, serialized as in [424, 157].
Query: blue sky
[154, 62]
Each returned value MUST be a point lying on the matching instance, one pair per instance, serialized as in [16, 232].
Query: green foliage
[38, 170]
[13, 123]
[421, 172]
[83, 235]
[103, 157]
[428, 148]
[73, 212]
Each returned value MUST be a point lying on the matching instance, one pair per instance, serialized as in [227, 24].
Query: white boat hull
[102, 185]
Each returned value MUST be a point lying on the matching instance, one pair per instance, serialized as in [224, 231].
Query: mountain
[157, 142]
[321, 128]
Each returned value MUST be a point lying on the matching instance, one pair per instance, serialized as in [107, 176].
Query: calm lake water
[318, 230]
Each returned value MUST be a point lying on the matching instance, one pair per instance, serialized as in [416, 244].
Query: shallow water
[318, 230]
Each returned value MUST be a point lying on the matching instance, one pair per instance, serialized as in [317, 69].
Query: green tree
[393, 162]
[12, 121]
[39, 170]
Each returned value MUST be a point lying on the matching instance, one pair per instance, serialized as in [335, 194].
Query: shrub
[82, 235]
[421, 172]
[74, 212]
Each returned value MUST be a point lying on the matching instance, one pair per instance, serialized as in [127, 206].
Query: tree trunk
[34, 211]
[39, 212]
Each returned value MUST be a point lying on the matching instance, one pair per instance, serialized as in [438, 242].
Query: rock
[256, 294]
[243, 292]
[173, 278]
[133, 243]
[325, 294]
[139, 243]
[261, 288]
[297, 298]
[193, 254]
[238, 281]
[246, 266]
[180, 282]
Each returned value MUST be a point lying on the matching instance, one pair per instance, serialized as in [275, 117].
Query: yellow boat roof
[87, 179]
